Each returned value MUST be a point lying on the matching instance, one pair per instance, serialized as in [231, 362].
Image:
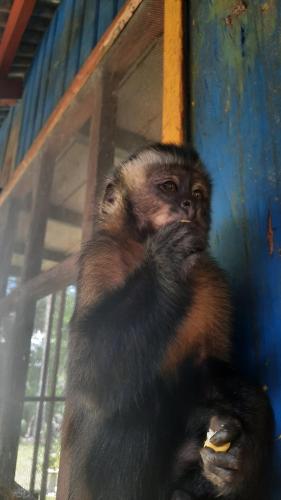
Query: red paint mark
[270, 234]
[239, 8]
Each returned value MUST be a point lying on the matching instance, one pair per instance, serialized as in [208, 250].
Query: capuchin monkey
[150, 369]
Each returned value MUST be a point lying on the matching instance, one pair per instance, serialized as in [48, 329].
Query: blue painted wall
[236, 75]
[74, 31]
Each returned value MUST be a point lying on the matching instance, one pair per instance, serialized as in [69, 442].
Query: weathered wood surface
[236, 77]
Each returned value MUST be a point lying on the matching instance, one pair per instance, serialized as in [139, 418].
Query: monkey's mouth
[185, 221]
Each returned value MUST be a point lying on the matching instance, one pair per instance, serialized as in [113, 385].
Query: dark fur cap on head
[167, 154]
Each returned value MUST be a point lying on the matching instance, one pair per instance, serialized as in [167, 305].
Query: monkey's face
[172, 194]
[161, 185]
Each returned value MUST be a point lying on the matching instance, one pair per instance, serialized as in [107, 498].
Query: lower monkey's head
[158, 185]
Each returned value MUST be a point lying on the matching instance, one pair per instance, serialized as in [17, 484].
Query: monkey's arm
[118, 344]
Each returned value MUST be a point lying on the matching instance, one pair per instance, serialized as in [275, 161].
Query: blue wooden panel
[59, 57]
[72, 65]
[120, 4]
[47, 55]
[89, 29]
[106, 14]
[26, 98]
[49, 99]
[36, 77]
[236, 116]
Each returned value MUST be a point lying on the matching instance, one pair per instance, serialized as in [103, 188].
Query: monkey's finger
[225, 476]
[225, 436]
[226, 428]
[224, 460]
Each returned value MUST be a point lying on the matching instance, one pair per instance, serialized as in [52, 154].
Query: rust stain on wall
[238, 9]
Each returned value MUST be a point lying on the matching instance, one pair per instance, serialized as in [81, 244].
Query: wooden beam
[19, 16]
[95, 130]
[7, 236]
[47, 253]
[57, 213]
[59, 276]
[173, 80]
[10, 90]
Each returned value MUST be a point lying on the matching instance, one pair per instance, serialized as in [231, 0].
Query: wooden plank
[19, 16]
[47, 254]
[128, 49]
[46, 282]
[10, 155]
[10, 90]
[93, 157]
[8, 102]
[8, 234]
[81, 78]
[38, 219]
[4, 138]
[173, 83]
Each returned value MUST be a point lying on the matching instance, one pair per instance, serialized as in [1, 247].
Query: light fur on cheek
[163, 217]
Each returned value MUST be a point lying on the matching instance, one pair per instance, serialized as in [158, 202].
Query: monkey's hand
[227, 471]
[174, 243]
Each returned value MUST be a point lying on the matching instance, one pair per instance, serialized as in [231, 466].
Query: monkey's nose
[186, 204]
[188, 207]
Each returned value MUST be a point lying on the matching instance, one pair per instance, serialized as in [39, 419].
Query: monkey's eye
[197, 194]
[168, 187]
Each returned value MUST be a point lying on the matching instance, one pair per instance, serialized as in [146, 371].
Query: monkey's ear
[109, 197]
[109, 194]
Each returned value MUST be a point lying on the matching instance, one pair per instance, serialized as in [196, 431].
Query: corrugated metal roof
[37, 25]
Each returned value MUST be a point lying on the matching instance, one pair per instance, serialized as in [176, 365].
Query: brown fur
[106, 265]
[206, 329]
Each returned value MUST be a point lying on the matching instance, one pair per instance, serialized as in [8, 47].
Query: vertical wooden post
[173, 127]
[8, 234]
[101, 155]
[102, 146]
[19, 344]
[93, 158]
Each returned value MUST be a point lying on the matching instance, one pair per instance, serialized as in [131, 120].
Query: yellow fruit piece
[218, 449]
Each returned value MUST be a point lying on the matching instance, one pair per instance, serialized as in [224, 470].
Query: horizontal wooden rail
[56, 278]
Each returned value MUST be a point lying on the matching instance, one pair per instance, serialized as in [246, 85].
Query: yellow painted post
[173, 81]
